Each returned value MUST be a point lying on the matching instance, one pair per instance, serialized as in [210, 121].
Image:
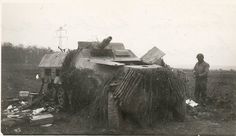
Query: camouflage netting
[89, 93]
[142, 95]
[148, 95]
[80, 84]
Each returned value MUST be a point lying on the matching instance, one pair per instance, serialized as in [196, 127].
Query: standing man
[201, 70]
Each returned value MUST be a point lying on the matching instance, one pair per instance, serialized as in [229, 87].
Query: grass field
[217, 118]
[16, 77]
[221, 92]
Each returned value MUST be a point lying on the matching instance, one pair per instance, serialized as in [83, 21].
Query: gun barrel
[105, 42]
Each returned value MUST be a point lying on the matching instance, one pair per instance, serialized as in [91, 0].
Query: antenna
[62, 32]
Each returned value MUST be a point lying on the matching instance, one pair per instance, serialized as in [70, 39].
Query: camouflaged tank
[143, 89]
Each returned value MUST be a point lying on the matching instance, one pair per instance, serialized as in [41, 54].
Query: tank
[113, 82]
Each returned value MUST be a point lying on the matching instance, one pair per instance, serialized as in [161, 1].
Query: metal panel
[122, 53]
[152, 55]
[143, 66]
[113, 46]
[116, 46]
[106, 62]
[53, 60]
[126, 59]
[131, 57]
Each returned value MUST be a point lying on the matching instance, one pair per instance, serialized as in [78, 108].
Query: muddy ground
[218, 117]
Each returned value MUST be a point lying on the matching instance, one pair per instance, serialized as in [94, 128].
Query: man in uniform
[201, 70]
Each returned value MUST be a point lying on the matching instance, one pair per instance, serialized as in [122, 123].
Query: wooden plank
[41, 119]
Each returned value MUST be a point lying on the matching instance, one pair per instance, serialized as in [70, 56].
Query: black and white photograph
[118, 67]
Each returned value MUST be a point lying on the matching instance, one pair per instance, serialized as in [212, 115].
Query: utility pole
[62, 32]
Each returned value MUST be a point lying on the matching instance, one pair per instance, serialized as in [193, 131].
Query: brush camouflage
[109, 79]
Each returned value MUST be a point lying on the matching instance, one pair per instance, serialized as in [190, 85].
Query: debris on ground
[24, 94]
[41, 119]
[9, 107]
[191, 103]
[37, 111]
[17, 130]
[22, 110]
[46, 125]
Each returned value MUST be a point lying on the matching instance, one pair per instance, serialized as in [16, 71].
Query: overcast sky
[180, 28]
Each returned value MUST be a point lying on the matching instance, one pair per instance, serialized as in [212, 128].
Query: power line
[62, 34]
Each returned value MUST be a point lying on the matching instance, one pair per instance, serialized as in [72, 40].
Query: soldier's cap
[200, 55]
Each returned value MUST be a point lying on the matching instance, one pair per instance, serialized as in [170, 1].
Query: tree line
[18, 54]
